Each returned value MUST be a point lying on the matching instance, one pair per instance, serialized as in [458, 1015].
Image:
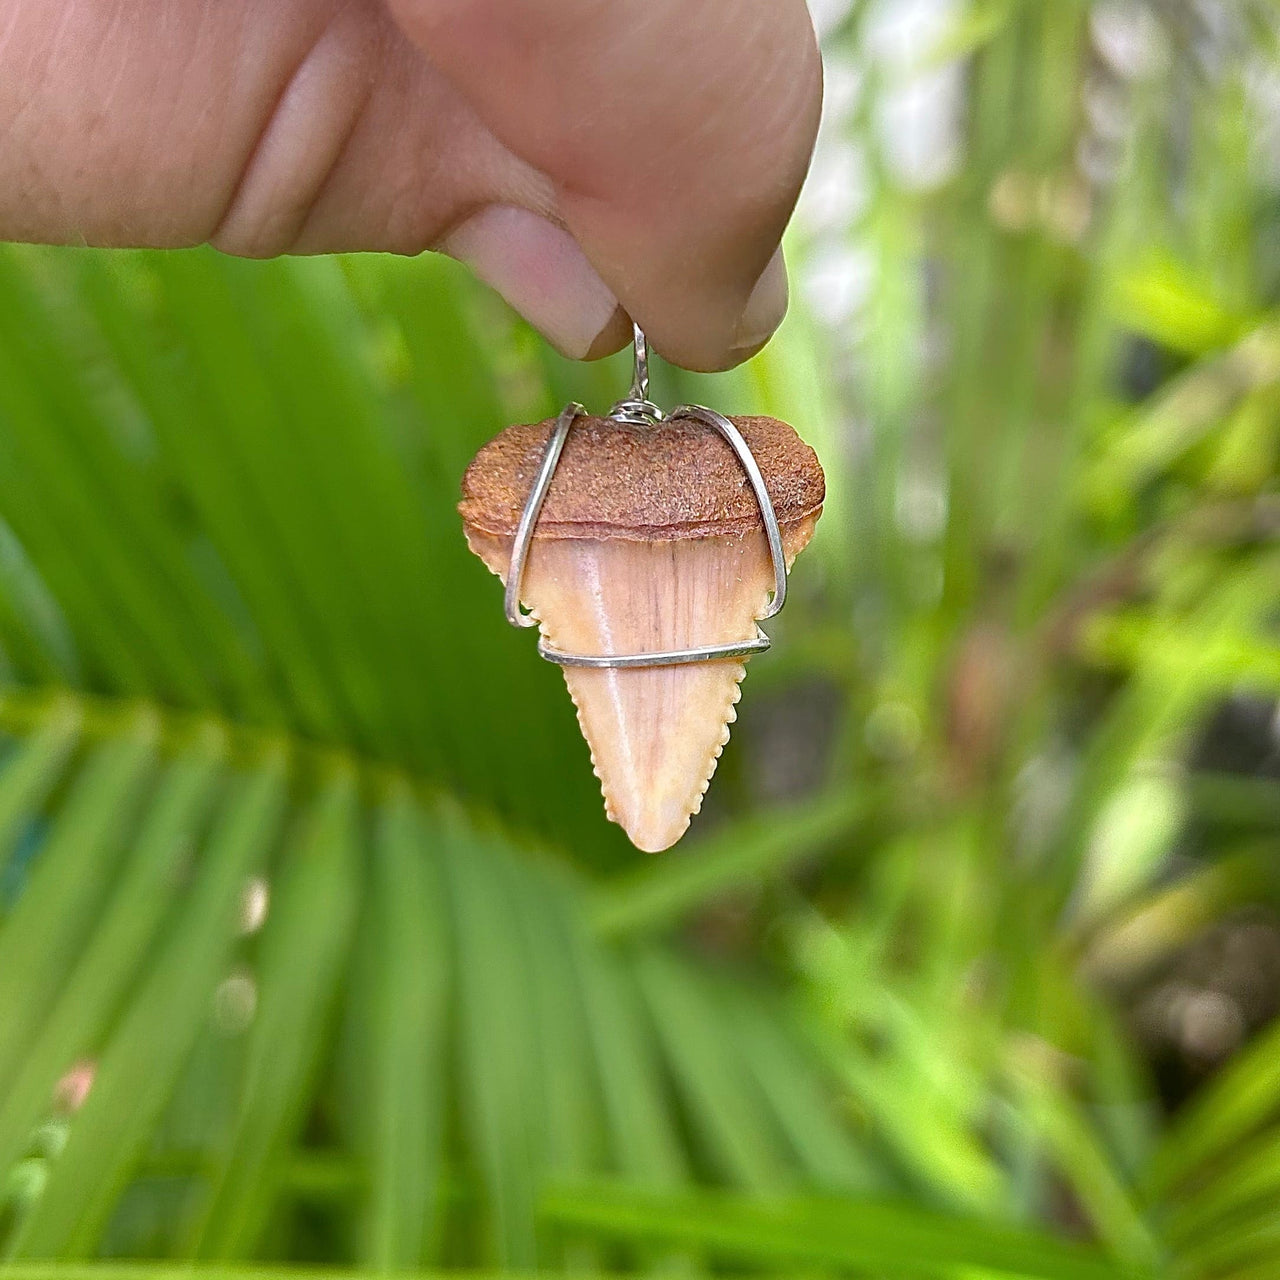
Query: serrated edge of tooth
[712, 762]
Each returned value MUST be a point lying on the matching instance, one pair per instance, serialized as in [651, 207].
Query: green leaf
[565, 1063]
[1077, 1152]
[304, 946]
[644, 1143]
[1243, 1184]
[141, 1063]
[400, 1086]
[798, 1096]
[68, 881]
[143, 896]
[502, 1110]
[208, 1271]
[1243, 1096]
[740, 1139]
[31, 772]
[895, 1239]
[1161, 298]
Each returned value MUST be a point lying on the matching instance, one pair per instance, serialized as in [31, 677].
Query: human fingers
[314, 125]
[298, 126]
[675, 133]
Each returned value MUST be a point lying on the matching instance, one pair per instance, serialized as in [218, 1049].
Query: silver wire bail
[638, 410]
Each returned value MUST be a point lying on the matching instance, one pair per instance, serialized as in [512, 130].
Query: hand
[591, 159]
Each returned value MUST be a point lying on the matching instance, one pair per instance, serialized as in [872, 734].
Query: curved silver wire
[529, 516]
[637, 410]
[772, 531]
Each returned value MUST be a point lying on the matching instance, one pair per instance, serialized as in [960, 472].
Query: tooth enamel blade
[655, 733]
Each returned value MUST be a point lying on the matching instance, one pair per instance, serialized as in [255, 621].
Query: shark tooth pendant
[646, 548]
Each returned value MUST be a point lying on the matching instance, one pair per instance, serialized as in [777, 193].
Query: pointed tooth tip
[654, 830]
[648, 829]
[656, 825]
[654, 842]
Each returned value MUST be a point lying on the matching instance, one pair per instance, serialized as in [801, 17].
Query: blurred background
[315, 945]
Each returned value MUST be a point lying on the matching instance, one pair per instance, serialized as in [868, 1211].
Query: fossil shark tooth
[650, 539]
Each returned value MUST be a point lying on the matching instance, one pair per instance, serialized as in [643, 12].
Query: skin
[593, 160]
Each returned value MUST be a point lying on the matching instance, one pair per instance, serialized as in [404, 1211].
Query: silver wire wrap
[638, 410]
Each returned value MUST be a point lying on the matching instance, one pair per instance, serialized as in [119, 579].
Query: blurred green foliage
[316, 948]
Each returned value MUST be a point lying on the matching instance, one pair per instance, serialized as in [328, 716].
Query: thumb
[676, 134]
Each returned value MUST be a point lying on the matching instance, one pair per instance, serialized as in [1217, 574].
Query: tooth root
[655, 733]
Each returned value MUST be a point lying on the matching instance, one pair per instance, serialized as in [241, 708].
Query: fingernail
[539, 269]
[765, 307]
